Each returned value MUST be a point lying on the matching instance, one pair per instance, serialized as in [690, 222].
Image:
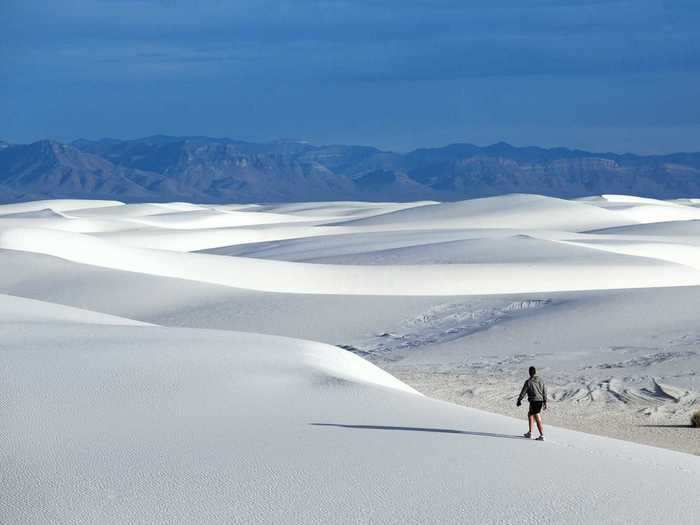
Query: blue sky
[597, 74]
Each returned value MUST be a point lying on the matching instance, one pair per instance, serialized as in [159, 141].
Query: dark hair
[532, 370]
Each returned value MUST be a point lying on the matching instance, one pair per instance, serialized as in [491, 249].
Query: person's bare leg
[538, 420]
[530, 419]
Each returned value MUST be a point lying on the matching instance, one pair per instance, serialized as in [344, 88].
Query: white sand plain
[142, 382]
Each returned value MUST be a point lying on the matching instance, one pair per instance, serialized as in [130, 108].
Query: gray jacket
[535, 390]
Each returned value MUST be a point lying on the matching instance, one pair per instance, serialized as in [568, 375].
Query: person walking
[537, 396]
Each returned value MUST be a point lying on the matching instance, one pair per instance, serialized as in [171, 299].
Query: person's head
[532, 371]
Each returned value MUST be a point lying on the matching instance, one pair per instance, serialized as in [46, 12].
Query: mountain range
[204, 169]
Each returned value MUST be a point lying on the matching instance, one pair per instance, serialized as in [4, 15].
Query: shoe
[527, 435]
[541, 438]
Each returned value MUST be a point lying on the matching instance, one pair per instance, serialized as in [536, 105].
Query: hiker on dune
[537, 396]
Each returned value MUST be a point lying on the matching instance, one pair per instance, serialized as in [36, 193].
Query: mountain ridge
[206, 169]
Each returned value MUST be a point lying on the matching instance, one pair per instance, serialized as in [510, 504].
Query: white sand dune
[510, 211]
[312, 247]
[280, 276]
[192, 220]
[651, 214]
[59, 205]
[134, 210]
[630, 335]
[602, 319]
[179, 240]
[612, 200]
[682, 228]
[189, 426]
[183, 227]
[677, 253]
[340, 209]
[23, 310]
[46, 213]
[236, 207]
[497, 246]
[108, 420]
[256, 224]
[645, 210]
[500, 247]
[144, 221]
[687, 202]
[68, 224]
[187, 303]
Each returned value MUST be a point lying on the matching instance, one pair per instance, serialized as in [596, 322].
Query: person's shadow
[419, 429]
[666, 426]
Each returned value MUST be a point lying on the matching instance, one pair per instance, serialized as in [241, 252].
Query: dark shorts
[535, 408]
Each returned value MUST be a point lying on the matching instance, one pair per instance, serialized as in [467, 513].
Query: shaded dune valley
[348, 361]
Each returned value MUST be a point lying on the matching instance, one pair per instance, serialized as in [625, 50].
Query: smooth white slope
[151, 425]
[651, 319]
[199, 219]
[520, 213]
[644, 210]
[414, 247]
[281, 276]
[340, 209]
[46, 213]
[60, 205]
[22, 310]
[659, 229]
[70, 224]
[335, 319]
[135, 210]
[517, 211]
[602, 371]
[685, 254]
[612, 200]
[153, 217]
[209, 238]
[641, 318]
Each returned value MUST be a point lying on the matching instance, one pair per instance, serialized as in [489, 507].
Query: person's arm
[522, 394]
[544, 396]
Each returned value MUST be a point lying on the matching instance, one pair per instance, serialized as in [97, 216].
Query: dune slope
[188, 426]
[208, 416]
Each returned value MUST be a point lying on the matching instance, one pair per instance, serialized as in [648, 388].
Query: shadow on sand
[419, 429]
[666, 426]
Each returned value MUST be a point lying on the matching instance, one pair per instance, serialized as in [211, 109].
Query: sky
[397, 74]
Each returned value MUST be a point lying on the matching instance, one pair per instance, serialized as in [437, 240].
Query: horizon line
[501, 143]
